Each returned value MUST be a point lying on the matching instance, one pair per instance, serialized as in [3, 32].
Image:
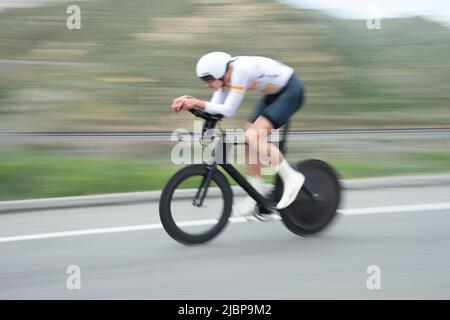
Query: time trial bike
[196, 202]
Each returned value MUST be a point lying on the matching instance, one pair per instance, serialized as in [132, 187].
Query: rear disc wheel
[306, 216]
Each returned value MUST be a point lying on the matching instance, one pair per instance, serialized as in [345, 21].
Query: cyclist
[230, 78]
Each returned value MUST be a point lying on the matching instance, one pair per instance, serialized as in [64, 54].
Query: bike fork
[203, 189]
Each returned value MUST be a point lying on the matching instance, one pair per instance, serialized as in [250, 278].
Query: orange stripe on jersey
[236, 88]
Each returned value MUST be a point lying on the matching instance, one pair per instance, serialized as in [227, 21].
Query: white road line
[394, 209]
[155, 226]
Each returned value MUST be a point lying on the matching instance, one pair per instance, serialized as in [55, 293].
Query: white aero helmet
[213, 64]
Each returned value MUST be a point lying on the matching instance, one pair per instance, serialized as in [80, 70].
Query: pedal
[265, 216]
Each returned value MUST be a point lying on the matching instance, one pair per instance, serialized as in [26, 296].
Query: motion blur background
[120, 72]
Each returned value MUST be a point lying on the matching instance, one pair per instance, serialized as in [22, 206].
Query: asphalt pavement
[123, 253]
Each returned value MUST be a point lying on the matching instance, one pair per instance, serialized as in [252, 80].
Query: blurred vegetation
[81, 168]
[121, 71]
[133, 57]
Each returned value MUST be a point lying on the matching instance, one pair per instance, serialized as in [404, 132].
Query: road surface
[123, 253]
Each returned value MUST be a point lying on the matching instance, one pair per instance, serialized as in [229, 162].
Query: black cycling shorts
[279, 107]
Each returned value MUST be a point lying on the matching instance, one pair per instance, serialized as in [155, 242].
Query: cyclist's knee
[255, 135]
[251, 137]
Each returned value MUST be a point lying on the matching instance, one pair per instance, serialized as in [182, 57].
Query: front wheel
[306, 216]
[182, 219]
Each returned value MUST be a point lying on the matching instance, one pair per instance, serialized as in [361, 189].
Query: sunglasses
[207, 79]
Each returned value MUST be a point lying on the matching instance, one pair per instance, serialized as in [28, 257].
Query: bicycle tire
[305, 216]
[166, 215]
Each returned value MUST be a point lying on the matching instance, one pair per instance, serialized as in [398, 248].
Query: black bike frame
[237, 176]
[263, 202]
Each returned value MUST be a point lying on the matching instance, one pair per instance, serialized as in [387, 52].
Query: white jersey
[249, 73]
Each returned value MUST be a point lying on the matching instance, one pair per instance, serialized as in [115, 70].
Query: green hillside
[121, 71]
[136, 56]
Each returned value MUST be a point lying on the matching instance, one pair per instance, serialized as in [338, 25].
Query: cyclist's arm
[239, 83]
[219, 96]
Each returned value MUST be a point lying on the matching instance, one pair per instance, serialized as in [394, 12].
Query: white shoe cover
[291, 187]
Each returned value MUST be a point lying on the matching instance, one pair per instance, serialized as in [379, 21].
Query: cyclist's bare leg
[253, 167]
[247, 206]
[258, 146]
[256, 137]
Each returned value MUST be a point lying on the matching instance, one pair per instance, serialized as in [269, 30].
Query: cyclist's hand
[177, 103]
[193, 103]
[189, 103]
